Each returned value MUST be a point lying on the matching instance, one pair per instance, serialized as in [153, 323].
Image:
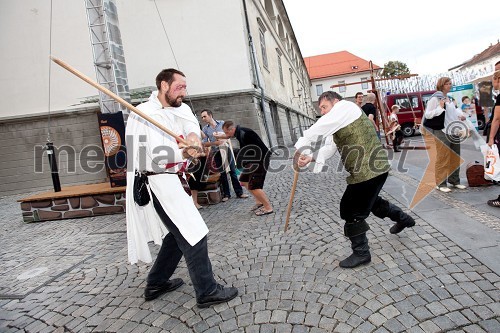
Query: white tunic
[341, 115]
[150, 149]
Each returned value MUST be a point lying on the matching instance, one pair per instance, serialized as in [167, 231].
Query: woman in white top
[445, 122]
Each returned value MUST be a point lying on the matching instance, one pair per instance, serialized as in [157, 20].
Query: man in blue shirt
[209, 129]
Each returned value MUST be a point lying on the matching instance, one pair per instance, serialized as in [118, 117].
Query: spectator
[439, 118]
[495, 125]
[256, 156]
[370, 110]
[216, 145]
[396, 135]
[358, 99]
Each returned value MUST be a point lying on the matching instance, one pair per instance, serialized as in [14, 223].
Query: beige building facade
[264, 87]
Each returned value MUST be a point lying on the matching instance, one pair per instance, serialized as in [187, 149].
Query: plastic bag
[491, 162]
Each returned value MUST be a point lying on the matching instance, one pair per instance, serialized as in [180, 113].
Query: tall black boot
[384, 208]
[356, 231]
[360, 252]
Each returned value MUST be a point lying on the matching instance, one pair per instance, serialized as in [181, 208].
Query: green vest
[361, 151]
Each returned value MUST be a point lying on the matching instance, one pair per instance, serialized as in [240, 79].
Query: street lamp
[299, 94]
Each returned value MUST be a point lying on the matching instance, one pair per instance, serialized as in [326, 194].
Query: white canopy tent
[482, 78]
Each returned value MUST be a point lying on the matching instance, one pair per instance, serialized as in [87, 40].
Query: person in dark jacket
[371, 111]
[255, 156]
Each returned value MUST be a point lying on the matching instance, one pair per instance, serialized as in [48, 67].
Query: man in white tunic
[171, 214]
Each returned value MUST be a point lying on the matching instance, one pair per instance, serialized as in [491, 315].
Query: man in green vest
[348, 130]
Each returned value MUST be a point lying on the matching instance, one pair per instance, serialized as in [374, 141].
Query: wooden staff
[294, 186]
[118, 99]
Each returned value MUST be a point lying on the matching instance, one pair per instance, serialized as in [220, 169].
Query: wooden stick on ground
[290, 202]
[118, 99]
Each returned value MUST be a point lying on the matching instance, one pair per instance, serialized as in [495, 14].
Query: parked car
[412, 107]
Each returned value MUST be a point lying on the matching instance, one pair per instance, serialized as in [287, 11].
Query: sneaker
[494, 202]
[225, 199]
[459, 186]
[443, 189]
[221, 294]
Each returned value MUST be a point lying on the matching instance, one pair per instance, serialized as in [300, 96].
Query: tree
[395, 68]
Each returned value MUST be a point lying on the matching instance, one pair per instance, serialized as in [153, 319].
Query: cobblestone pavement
[73, 275]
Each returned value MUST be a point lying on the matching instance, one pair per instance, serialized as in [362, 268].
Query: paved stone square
[73, 275]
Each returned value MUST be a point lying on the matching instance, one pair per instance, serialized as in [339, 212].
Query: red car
[412, 107]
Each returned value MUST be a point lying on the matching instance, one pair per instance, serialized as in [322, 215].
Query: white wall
[280, 92]
[208, 40]
[24, 60]
[350, 90]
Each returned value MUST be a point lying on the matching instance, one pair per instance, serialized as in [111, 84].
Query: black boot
[402, 219]
[360, 252]
[383, 208]
[395, 146]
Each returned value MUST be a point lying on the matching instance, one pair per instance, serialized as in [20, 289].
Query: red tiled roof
[337, 63]
[490, 52]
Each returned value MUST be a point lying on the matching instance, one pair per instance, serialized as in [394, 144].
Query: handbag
[141, 193]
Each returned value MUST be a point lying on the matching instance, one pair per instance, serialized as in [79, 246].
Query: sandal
[261, 212]
[255, 207]
[494, 202]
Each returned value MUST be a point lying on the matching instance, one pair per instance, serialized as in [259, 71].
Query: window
[425, 99]
[342, 88]
[364, 83]
[280, 69]
[263, 48]
[403, 102]
[319, 89]
[414, 101]
[291, 81]
[269, 8]
[281, 31]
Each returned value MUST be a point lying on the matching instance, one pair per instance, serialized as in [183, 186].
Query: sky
[428, 36]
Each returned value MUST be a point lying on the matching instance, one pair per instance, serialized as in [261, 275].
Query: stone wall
[24, 165]
[244, 109]
[74, 207]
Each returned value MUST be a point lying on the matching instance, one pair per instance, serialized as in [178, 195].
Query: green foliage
[395, 68]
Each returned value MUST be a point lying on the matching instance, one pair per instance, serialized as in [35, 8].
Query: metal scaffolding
[107, 49]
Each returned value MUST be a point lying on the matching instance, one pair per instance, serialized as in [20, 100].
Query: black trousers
[173, 247]
[398, 137]
[362, 198]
